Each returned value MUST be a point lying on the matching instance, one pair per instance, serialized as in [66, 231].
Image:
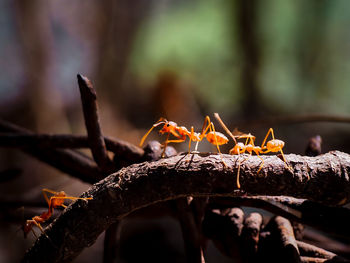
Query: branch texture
[147, 183]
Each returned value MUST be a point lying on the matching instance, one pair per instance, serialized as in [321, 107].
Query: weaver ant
[249, 146]
[181, 132]
[170, 127]
[55, 201]
[274, 146]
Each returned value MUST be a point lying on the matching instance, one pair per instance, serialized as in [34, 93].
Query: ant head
[168, 127]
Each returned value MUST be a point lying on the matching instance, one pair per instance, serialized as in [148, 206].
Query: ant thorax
[238, 148]
[183, 130]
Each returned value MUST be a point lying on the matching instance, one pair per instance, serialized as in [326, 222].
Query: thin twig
[96, 140]
[20, 140]
[190, 231]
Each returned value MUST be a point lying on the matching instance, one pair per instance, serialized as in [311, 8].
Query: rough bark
[148, 183]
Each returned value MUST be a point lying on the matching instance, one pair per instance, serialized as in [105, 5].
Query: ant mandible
[55, 201]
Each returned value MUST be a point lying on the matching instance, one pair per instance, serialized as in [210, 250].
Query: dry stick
[189, 229]
[67, 161]
[313, 260]
[20, 140]
[280, 245]
[99, 152]
[197, 175]
[224, 229]
[330, 219]
[313, 251]
[305, 259]
[250, 237]
[96, 140]
[190, 215]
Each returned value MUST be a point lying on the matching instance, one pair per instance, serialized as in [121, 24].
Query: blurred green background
[257, 63]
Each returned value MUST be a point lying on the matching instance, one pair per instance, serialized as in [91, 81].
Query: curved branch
[147, 183]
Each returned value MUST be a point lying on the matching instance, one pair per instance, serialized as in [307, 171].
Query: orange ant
[181, 132]
[213, 137]
[55, 201]
[170, 127]
[273, 145]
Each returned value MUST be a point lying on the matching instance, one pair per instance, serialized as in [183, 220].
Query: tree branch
[147, 183]
[41, 140]
[67, 161]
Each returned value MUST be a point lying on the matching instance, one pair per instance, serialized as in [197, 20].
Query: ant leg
[262, 163]
[267, 135]
[189, 144]
[285, 161]
[165, 144]
[44, 191]
[176, 141]
[239, 168]
[71, 198]
[39, 226]
[43, 232]
[204, 130]
[74, 198]
[238, 172]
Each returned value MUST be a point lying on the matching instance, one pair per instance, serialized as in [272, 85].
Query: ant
[214, 137]
[181, 132]
[273, 145]
[170, 127]
[55, 201]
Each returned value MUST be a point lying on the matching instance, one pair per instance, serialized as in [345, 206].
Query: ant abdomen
[216, 138]
[275, 145]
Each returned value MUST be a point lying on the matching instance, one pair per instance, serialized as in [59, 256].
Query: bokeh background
[260, 64]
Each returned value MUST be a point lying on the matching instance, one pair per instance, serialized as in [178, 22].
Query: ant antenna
[159, 122]
[217, 117]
